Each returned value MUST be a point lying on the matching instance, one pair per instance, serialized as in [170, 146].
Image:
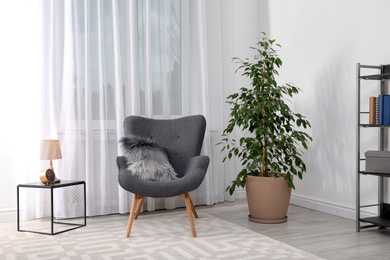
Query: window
[159, 57]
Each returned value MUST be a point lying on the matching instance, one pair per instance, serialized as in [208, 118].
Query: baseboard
[320, 205]
[315, 204]
[240, 194]
[323, 206]
[7, 214]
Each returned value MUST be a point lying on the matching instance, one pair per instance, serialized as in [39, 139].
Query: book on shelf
[381, 107]
[376, 111]
[386, 109]
[373, 111]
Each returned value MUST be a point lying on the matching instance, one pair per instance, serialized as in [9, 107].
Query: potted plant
[271, 148]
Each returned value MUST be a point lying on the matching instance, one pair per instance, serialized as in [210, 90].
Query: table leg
[17, 209]
[51, 209]
[85, 205]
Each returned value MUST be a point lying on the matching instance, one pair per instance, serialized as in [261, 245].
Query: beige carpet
[161, 235]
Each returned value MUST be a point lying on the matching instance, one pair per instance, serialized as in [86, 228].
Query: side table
[62, 184]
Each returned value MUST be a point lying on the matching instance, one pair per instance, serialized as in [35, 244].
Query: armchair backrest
[182, 137]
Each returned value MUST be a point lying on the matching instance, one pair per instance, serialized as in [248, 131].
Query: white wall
[321, 43]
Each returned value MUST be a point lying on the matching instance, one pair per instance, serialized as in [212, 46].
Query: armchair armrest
[121, 162]
[197, 163]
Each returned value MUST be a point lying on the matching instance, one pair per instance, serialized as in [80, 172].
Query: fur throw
[146, 159]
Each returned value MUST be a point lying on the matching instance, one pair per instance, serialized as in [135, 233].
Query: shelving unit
[382, 220]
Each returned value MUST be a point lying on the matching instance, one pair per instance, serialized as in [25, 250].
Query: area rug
[159, 235]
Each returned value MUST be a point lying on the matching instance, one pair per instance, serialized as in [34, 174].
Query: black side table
[39, 185]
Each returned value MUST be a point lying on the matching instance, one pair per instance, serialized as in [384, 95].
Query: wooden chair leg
[190, 210]
[141, 201]
[193, 208]
[132, 214]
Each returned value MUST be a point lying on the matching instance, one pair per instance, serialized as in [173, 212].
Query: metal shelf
[373, 125]
[377, 221]
[376, 76]
[383, 174]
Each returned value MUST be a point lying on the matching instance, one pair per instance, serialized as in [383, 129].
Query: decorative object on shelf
[377, 161]
[50, 150]
[271, 148]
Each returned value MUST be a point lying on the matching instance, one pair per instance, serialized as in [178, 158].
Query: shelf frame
[380, 220]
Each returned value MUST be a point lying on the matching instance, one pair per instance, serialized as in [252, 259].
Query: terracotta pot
[268, 199]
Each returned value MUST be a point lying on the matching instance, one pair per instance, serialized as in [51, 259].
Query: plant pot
[268, 199]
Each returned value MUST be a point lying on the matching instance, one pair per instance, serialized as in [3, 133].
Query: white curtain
[105, 60]
[19, 103]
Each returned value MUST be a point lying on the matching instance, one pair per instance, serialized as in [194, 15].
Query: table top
[40, 185]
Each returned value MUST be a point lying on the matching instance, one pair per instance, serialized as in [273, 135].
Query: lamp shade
[50, 150]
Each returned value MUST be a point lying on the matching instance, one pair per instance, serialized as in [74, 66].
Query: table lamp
[50, 150]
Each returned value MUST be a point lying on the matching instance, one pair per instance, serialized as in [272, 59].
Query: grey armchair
[182, 138]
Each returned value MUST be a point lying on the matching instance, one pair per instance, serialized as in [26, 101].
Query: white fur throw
[146, 159]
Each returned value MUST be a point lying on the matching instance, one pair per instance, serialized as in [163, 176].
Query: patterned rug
[160, 235]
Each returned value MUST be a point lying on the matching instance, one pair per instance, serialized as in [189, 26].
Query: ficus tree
[272, 143]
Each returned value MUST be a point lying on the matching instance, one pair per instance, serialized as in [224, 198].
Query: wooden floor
[321, 234]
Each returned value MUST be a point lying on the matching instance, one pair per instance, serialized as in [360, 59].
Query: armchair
[182, 139]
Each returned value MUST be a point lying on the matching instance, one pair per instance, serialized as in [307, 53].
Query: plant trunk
[263, 164]
[264, 157]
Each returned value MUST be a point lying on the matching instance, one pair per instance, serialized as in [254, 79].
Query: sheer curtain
[19, 102]
[104, 60]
